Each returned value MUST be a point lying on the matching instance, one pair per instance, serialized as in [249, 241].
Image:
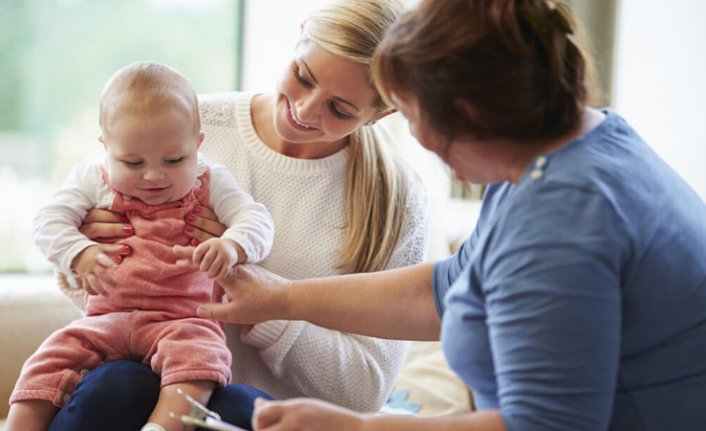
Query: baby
[145, 307]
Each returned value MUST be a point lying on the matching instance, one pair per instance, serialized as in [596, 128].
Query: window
[55, 57]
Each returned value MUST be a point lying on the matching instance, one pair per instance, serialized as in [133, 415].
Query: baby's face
[152, 158]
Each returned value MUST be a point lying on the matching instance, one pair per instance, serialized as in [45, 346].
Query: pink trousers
[180, 350]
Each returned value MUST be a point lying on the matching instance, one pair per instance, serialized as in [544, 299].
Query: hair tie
[560, 22]
[542, 26]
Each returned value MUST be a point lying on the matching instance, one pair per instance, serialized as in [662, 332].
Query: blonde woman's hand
[202, 225]
[301, 414]
[103, 224]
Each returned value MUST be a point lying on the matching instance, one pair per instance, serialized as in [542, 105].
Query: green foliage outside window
[55, 57]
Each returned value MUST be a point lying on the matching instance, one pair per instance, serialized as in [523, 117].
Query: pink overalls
[149, 316]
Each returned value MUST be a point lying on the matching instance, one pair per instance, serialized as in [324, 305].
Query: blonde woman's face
[322, 97]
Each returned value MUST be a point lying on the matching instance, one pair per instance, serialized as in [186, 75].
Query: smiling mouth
[293, 120]
[155, 189]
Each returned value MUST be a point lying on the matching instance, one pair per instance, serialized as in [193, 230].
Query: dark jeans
[120, 396]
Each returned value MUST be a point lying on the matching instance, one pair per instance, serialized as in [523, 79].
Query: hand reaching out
[255, 294]
[302, 413]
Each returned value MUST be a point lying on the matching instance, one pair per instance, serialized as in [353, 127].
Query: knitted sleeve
[358, 372]
[413, 244]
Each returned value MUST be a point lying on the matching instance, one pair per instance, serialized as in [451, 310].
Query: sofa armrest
[31, 308]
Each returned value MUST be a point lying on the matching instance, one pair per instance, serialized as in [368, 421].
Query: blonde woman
[341, 203]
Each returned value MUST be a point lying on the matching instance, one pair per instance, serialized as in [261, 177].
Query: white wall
[271, 32]
[660, 80]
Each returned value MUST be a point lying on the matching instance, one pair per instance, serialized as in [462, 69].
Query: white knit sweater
[307, 201]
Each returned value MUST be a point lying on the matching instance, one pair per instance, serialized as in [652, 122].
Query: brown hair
[518, 63]
[144, 87]
[377, 183]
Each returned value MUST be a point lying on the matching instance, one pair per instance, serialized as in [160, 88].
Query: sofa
[31, 307]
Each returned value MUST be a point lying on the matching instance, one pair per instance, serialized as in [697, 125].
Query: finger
[217, 311]
[105, 260]
[216, 267]
[116, 250]
[87, 286]
[102, 277]
[203, 228]
[183, 252]
[207, 260]
[106, 230]
[103, 216]
[224, 270]
[266, 414]
[199, 253]
[186, 264]
[184, 257]
[205, 212]
[94, 285]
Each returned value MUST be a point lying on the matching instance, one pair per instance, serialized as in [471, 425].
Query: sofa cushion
[31, 308]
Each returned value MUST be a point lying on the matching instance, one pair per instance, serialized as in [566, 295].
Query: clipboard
[202, 417]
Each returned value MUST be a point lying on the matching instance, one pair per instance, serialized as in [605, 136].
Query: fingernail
[128, 230]
[189, 228]
[190, 217]
[197, 210]
[126, 249]
[124, 219]
[117, 259]
[194, 242]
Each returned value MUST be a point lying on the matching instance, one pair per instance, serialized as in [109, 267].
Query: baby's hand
[92, 265]
[217, 255]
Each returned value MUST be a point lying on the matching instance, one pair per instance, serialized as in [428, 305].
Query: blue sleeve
[553, 301]
[448, 270]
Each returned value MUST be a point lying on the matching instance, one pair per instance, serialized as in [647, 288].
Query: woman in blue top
[579, 302]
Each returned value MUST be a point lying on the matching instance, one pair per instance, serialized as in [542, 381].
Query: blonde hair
[144, 88]
[377, 184]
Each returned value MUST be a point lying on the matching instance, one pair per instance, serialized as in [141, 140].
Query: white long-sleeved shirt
[307, 201]
[55, 227]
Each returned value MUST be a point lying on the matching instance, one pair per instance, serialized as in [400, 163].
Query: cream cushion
[31, 308]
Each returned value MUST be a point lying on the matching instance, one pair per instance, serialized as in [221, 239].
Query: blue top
[579, 301]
